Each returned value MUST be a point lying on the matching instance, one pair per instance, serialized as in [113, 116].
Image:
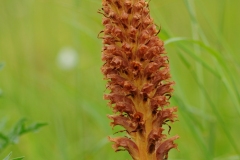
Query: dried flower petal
[126, 143]
[154, 136]
[127, 123]
[163, 115]
[163, 149]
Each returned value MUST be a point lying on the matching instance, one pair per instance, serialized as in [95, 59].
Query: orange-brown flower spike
[137, 70]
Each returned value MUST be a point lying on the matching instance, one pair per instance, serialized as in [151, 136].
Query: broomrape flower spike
[137, 70]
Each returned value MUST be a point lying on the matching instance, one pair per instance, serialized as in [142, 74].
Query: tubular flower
[137, 70]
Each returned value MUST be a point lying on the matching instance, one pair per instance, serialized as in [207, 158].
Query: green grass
[202, 41]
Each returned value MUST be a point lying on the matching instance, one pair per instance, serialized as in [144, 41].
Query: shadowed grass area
[202, 41]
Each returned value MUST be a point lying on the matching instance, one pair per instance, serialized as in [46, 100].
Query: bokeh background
[52, 74]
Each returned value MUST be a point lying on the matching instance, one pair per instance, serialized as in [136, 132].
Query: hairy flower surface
[137, 70]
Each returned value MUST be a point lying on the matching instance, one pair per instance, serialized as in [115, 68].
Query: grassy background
[202, 41]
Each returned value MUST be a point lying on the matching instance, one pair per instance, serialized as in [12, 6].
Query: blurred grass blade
[8, 156]
[221, 64]
[174, 39]
[19, 158]
[194, 56]
[191, 10]
[189, 119]
[212, 105]
[4, 140]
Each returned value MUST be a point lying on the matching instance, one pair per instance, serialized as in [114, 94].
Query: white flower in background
[67, 58]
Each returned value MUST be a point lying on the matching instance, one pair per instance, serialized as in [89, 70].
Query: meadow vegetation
[52, 74]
